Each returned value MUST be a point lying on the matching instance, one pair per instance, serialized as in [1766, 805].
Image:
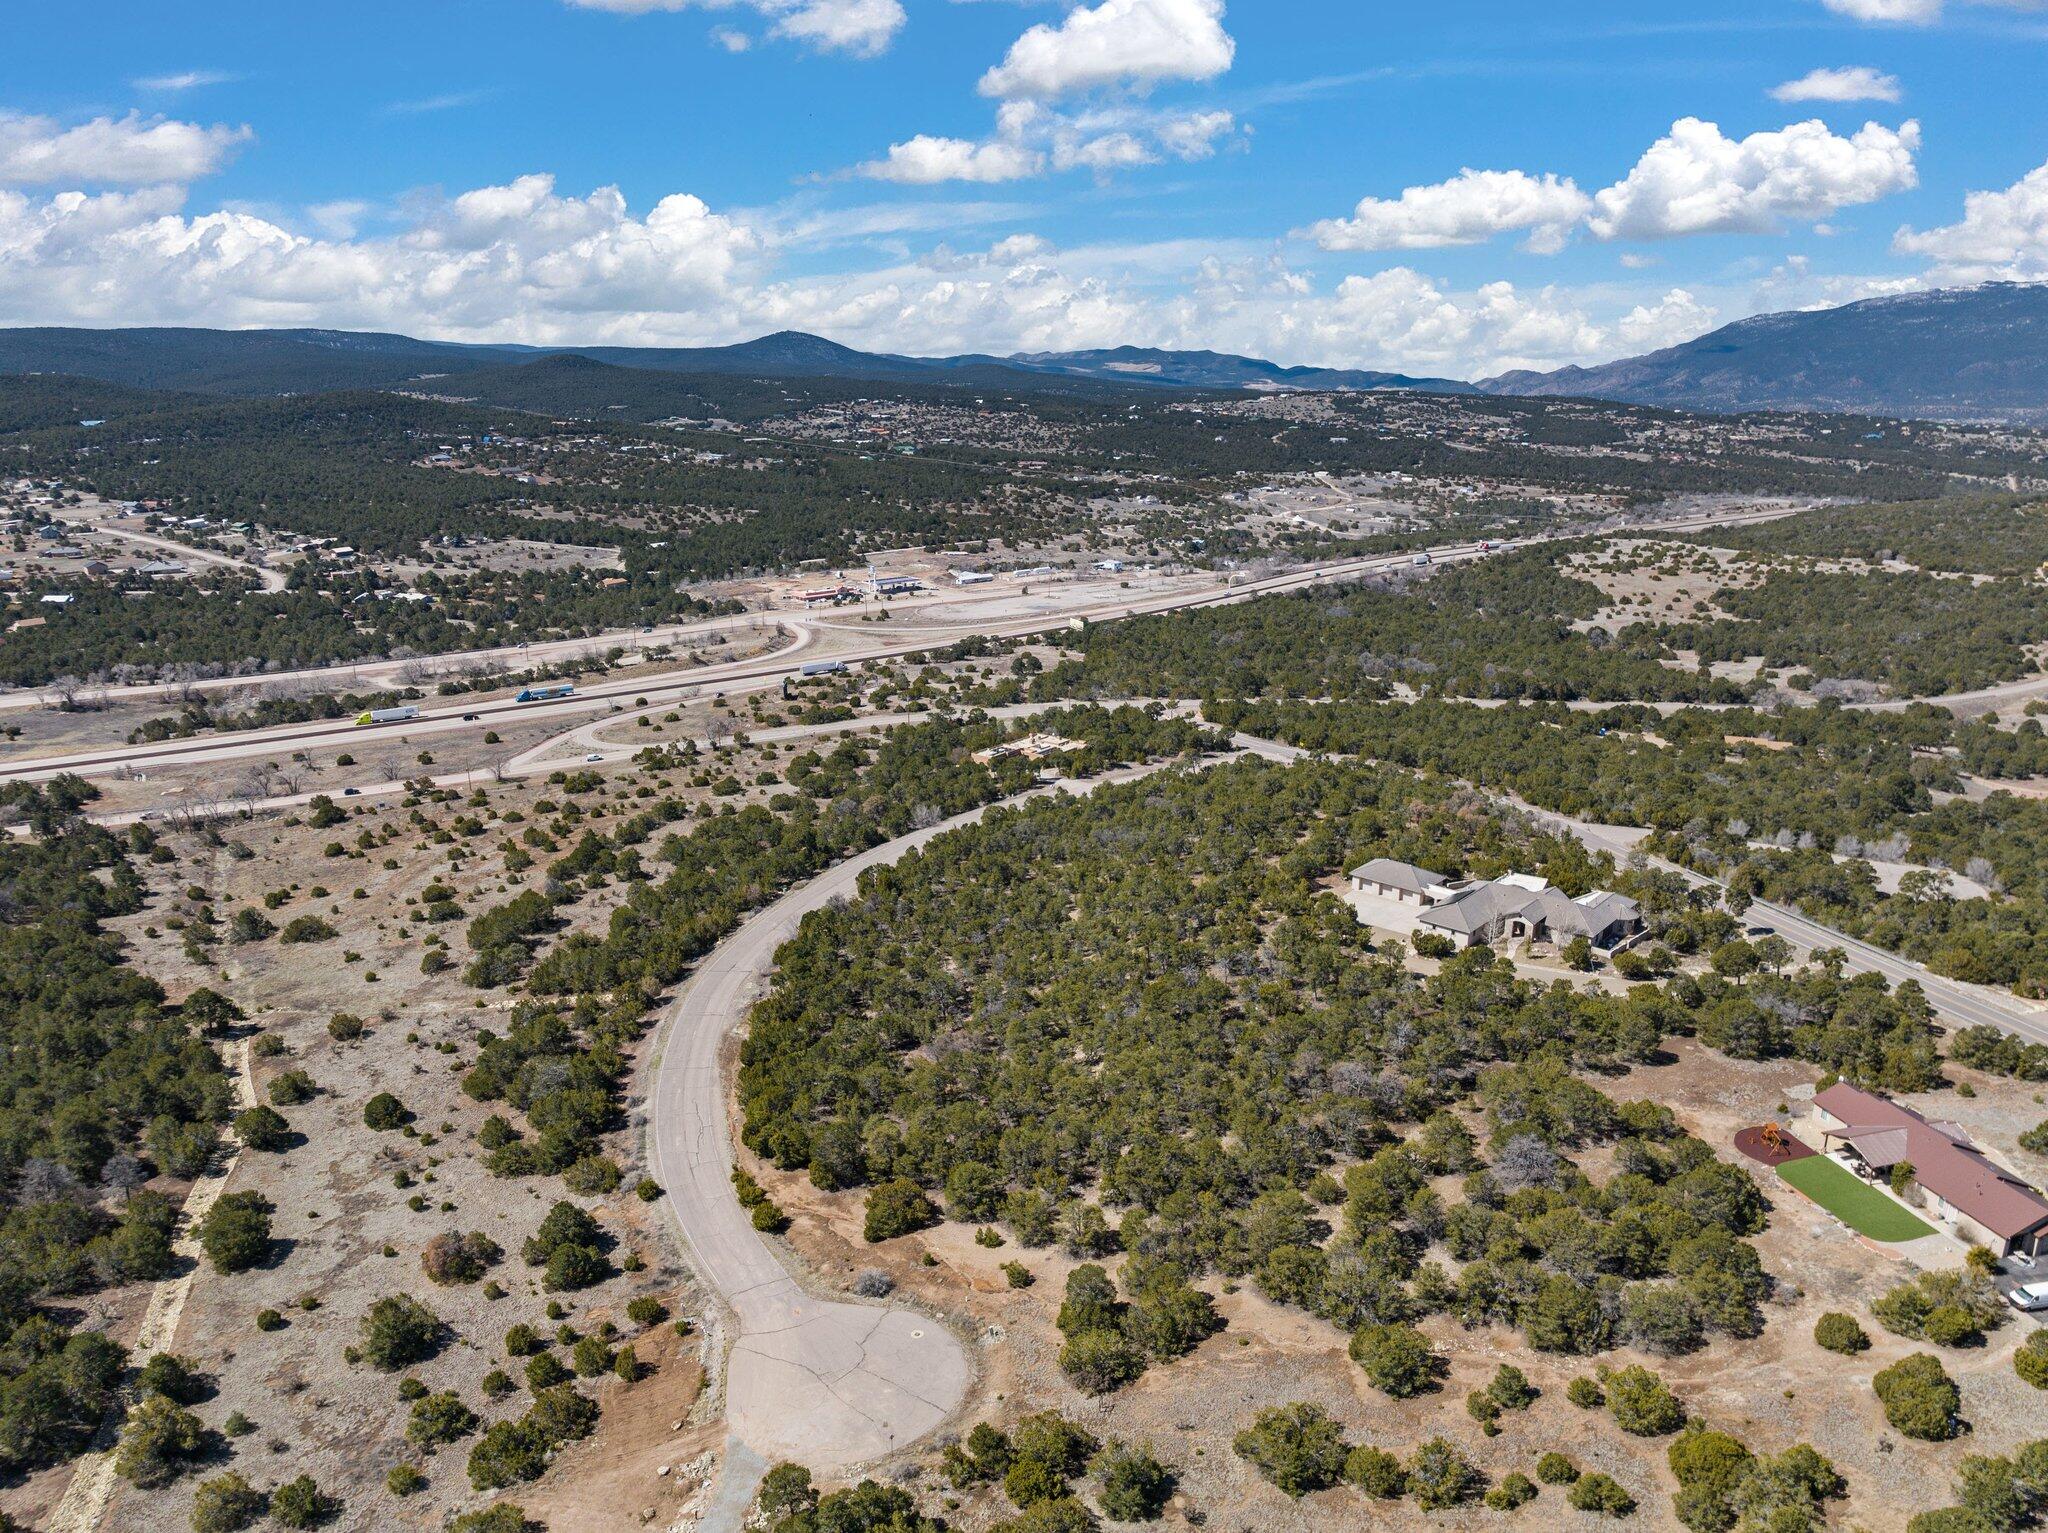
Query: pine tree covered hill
[1133, 1023]
[101, 1084]
[1767, 817]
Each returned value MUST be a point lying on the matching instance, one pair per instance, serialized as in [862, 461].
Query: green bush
[1135, 1485]
[1101, 1360]
[1948, 1307]
[454, 1257]
[235, 1234]
[573, 1267]
[399, 1331]
[1555, 1469]
[502, 1518]
[262, 1128]
[1396, 1359]
[1510, 1389]
[159, 1442]
[227, 1504]
[439, 1418]
[1840, 1333]
[405, 1480]
[564, 1225]
[384, 1112]
[1601, 1494]
[590, 1357]
[544, 1371]
[174, 1378]
[1297, 1447]
[897, 1207]
[1440, 1477]
[1514, 1491]
[1641, 1404]
[2030, 1362]
[1376, 1472]
[786, 1490]
[302, 1504]
[1919, 1398]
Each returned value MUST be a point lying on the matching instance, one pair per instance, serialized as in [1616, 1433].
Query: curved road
[372, 673]
[829, 1382]
[291, 737]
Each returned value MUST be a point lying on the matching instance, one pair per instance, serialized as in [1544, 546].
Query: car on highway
[351, 792]
[595, 756]
[470, 718]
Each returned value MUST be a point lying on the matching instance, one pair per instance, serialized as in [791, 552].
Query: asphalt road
[830, 1382]
[1965, 1005]
[268, 742]
[371, 675]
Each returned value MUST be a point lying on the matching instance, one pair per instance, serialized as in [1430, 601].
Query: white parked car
[594, 756]
[2029, 1296]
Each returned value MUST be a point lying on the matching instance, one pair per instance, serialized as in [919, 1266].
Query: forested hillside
[103, 1088]
[1761, 800]
[1135, 1023]
[1498, 629]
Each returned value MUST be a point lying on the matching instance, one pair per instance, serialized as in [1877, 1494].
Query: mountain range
[1965, 353]
[1977, 353]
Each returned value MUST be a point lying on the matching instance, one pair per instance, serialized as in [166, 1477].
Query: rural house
[1976, 1199]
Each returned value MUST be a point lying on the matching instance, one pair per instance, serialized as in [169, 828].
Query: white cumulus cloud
[1677, 316]
[1473, 206]
[863, 28]
[517, 260]
[1912, 12]
[1032, 138]
[112, 151]
[1194, 135]
[927, 160]
[1857, 83]
[860, 27]
[2001, 235]
[1118, 42]
[1696, 180]
[1102, 154]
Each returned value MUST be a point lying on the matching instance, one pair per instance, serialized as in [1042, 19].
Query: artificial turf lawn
[1864, 1209]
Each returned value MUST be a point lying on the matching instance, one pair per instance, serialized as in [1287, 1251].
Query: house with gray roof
[1516, 907]
[1394, 880]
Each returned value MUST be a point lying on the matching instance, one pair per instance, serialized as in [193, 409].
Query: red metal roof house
[1979, 1200]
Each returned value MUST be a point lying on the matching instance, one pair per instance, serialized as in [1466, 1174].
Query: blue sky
[1452, 188]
